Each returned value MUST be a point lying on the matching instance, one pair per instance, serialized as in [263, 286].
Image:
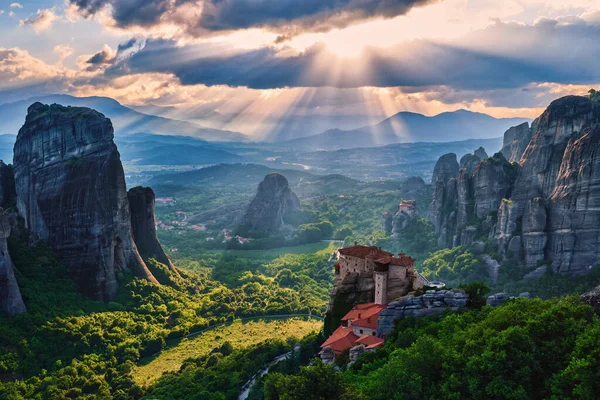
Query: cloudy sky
[250, 61]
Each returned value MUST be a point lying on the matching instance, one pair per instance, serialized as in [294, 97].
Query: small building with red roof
[363, 318]
[358, 326]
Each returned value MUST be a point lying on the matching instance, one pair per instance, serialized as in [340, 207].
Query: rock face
[11, 302]
[545, 208]
[328, 355]
[558, 187]
[413, 187]
[274, 200]
[497, 299]
[431, 303]
[492, 181]
[71, 193]
[593, 299]
[143, 224]
[481, 154]
[7, 184]
[469, 196]
[444, 187]
[356, 352]
[516, 140]
[470, 161]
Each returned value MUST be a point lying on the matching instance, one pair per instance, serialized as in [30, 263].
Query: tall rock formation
[546, 208]
[492, 181]
[7, 184]
[516, 140]
[443, 182]
[143, 224]
[11, 302]
[471, 161]
[274, 201]
[560, 180]
[71, 193]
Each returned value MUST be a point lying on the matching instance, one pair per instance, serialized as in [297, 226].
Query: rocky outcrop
[593, 299]
[356, 352]
[71, 193]
[497, 299]
[546, 207]
[471, 161]
[492, 181]
[558, 187]
[328, 355]
[431, 303]
[353, 289]
[516, 140]
[8, 192]
[444, 186]
[143, 224]
[11, 302]
[467, 197]
[413, 187]
[493, 267]
[445, 169]
[481, 154]
[274, 201]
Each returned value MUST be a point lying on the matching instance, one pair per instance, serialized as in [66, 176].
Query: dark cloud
[127, 45]
[101, 57]
[287, 16]
[550, 51]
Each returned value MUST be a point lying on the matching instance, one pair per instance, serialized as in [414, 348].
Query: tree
[477, 292]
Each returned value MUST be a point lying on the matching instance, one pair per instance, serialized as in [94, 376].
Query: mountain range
[407, 127]
[124, 119]
[403, 127]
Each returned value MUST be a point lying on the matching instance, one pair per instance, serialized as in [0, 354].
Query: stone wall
[431, 303]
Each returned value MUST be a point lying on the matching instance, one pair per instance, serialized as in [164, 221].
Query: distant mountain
[407, 127]
[245, 177]
[272, 128]
[124, 119]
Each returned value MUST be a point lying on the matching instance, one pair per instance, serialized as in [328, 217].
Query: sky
[247, 63]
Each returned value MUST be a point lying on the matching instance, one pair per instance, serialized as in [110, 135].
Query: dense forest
[525, 349]
[68, 346]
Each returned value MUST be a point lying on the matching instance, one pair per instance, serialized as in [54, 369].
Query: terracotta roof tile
[370, 342]
[364, 315]
[341, 339]
[364, 252]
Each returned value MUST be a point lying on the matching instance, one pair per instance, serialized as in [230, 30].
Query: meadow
[238, 334]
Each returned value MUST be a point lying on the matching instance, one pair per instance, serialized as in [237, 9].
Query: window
[361, 331]
[373, 333]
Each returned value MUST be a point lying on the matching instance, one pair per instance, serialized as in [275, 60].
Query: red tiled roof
[364, 252]
[364, 315]
[370, 342]
[341, 339]
[401, 260]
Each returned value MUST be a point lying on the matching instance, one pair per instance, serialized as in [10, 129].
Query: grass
[320, 248]
[239, 334]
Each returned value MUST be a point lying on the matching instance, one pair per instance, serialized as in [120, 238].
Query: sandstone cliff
[143, 224]
[11, 302]
[546, 207]
[274, 201]
[71, 193]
